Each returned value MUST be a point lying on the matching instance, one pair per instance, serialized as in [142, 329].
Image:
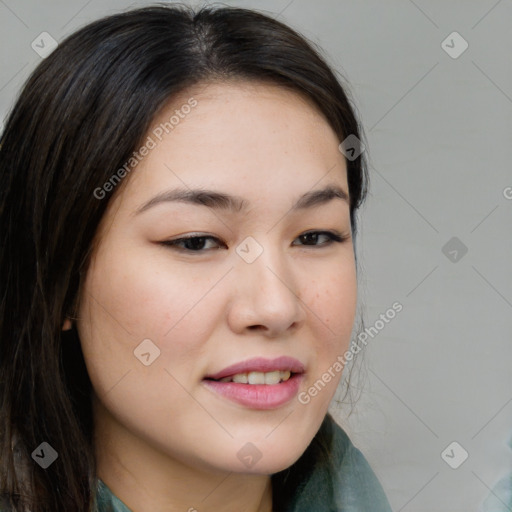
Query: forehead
[256, 140]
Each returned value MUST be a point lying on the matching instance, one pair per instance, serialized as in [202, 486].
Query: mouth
[258, 378]
[258, 383]
[259, 369]
[255, 378]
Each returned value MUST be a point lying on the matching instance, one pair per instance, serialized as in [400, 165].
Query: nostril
[256, 327]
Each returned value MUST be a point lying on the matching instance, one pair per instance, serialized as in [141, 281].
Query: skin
[163, 441]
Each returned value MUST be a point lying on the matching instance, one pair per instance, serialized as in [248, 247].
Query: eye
[191, 243]
[312, 236]
[198, 243]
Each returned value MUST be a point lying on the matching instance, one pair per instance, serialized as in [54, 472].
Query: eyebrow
[222, 201]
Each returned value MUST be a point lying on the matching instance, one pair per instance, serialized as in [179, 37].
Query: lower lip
[258, 396]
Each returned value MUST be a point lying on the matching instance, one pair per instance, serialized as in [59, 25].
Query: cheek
[128, 299]
[332, 303]
[139, 297]
[332, 299]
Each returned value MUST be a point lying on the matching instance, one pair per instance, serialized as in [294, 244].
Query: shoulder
[107, 501]
[356, 485]
[500, 498]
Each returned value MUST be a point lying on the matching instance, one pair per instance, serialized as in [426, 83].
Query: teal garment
[341, 482]
[500, 498]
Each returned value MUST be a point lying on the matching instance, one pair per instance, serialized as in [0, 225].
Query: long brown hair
[79, 117]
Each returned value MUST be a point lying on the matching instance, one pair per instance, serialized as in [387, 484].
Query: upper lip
[260, 364]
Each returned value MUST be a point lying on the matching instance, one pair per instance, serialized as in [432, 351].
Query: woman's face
[158, 315]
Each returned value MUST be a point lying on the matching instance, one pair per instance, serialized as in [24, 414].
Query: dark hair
[79, 118]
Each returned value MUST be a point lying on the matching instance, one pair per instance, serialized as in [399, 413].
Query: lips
[260, 364]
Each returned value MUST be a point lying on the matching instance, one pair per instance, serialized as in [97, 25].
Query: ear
[67, 325]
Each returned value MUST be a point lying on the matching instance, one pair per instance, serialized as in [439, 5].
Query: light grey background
[439, 141]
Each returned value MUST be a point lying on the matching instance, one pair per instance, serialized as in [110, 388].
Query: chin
[252, 459]
[274, 460]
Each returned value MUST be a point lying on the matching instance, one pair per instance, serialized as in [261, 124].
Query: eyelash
[335, 237]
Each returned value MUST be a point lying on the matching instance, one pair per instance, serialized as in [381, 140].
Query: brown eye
[311, 237]
[192, 243]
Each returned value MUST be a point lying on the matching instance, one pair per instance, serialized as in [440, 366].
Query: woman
[178, 268]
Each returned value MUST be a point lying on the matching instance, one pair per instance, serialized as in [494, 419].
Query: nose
[266, 295]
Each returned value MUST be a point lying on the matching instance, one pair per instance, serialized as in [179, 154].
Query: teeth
[256, 377]
[270, 377]
[259, 377]
[285, 375]
[241, 378]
